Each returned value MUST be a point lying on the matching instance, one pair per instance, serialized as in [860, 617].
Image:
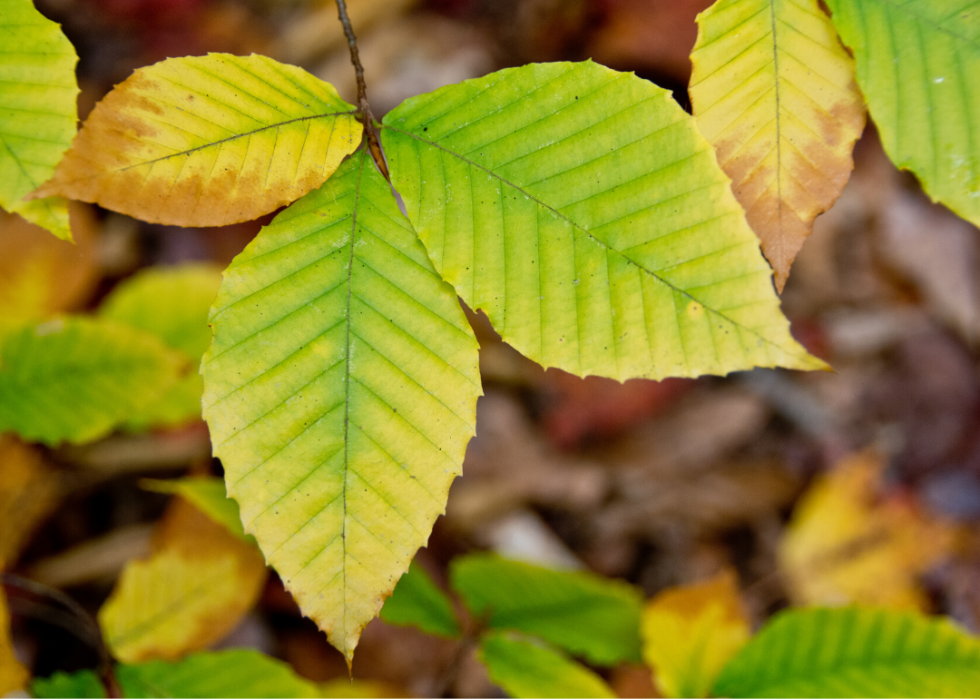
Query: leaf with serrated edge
[854, 652]
[917, 65]
[774, 91]
[74, 379]
[582, 210]
[38, 114]
[208, 141]
[341, 391]
[526, 667]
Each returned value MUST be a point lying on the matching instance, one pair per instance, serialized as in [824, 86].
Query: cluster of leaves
[580, 208]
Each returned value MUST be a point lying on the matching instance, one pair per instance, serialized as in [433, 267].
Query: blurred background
[861, 485]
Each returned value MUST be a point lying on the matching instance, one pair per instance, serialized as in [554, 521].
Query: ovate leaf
[38, 114]
[917, 63]
[341, 392]
[582, 210]
[74, 379]
[230, 673]
[195, 588]
[854, 652]
[526, 668]
[691, 632]
[774, 92]
[583, 613]
[207, 141]
[206, 494]
[417, 601]
[13, 675]
[173, 304]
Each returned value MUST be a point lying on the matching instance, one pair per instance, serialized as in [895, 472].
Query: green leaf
[854, 652]
[75, 379]
[171, 303]
[582, 210]
[38, 115]
[583, 613]
[207, 495]
[525, 668]
[231, 673]
[917, 64]
[417, 601]
[341, 392]
[208, 141]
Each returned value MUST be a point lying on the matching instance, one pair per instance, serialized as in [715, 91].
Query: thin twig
[367, 117]
[84, 627]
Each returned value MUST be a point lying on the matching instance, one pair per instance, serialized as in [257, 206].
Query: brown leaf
[29, 491]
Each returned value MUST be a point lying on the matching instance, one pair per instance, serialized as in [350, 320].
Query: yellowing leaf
[37, 111]
[190, 593]
[691, 632]
[582, 210]
[40, 276]
[208, 141]
[13, 675]
[207, 495]
[341, 391]
[846, 545]
[775, 93]
[28, 493]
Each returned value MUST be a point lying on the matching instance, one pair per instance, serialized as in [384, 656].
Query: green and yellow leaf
[582, 613]
[691, 632]
[774, 92]
[582, 210]
[341, 391]
[75, 379]
[854, 653]
[208, 141]
[171, 303]
[917, 63]
[417, 601]
[195, 588]
[38, 114]
[525, 667]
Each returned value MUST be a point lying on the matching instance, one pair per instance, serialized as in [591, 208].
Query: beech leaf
[341, 391]
[208, 141]
[775, 93]
[38, 115]
[582, 210]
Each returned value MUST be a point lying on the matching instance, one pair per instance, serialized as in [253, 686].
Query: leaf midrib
[588, 233]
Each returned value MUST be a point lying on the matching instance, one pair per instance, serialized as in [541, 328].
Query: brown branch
[367, 117]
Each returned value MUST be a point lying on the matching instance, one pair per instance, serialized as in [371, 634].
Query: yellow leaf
[691, 632]
[28, 493]
[847, 545]
[40, 275]
[13, 675]
[208, 141]
[775, 93]
[195, 588]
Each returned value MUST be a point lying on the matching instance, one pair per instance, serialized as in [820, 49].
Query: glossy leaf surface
[208, 141]
[38, 116]
[774, 91]
[341, 392]
[582, 210]
[917, 63]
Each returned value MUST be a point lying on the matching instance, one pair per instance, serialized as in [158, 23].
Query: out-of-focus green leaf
[38, 115]
[854, 652]
[208, 495]
[917, 65]
[417, 601]
[231, 673]
[525, 668]
[582, 613]
[75, 379]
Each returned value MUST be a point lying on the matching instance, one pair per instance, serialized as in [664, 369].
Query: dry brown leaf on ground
[847, 543]
[689, 634]
[29, 492]
[41, 275]
[13, 675]
[196, 587]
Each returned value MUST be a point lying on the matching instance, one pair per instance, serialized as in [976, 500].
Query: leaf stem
[367, 117]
